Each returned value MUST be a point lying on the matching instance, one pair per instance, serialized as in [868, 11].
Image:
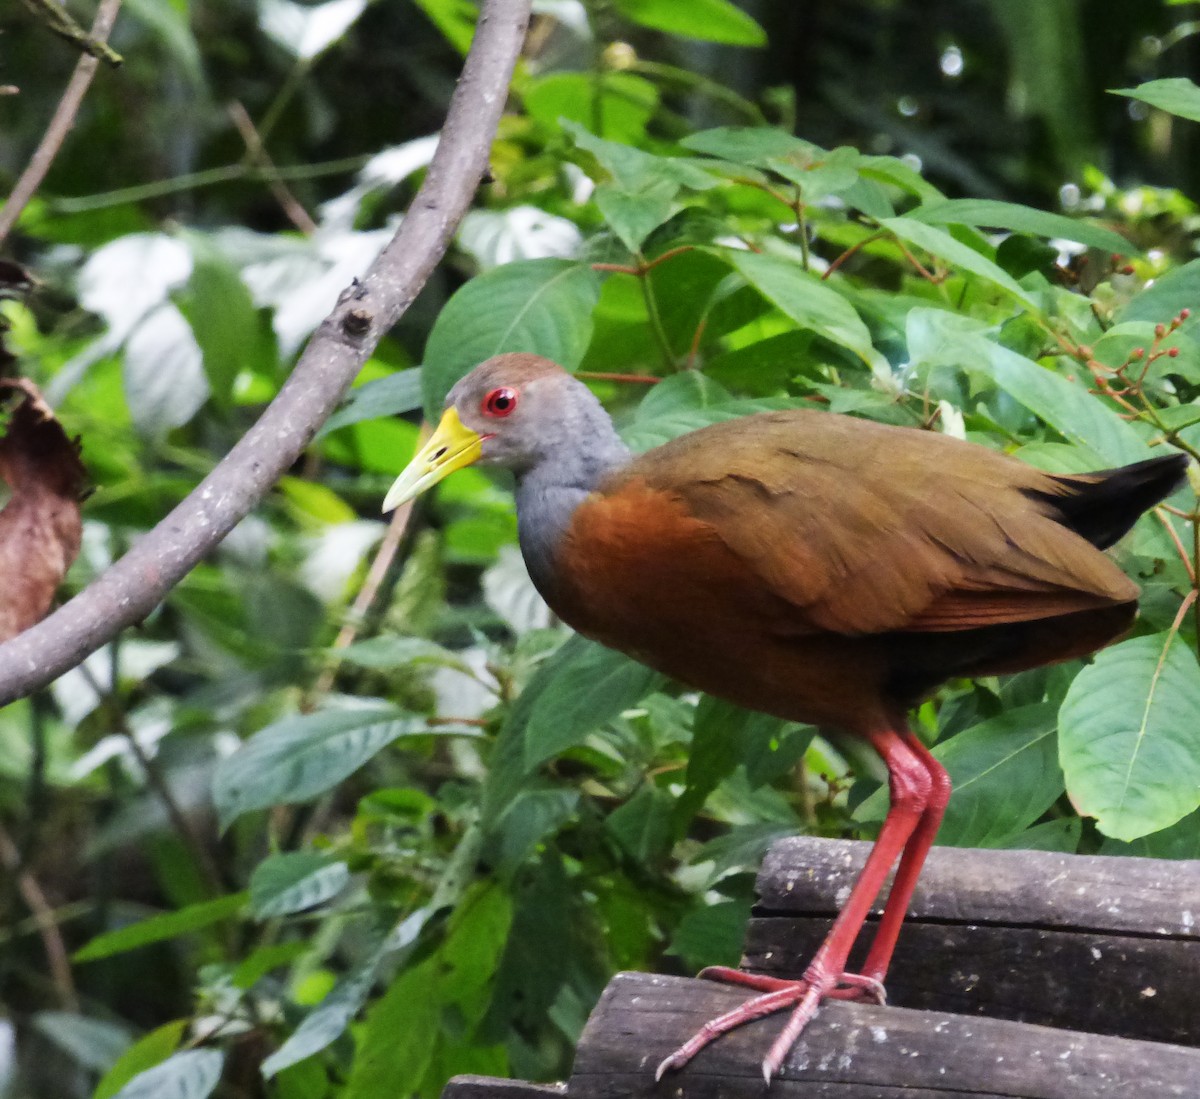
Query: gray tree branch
[135, 584]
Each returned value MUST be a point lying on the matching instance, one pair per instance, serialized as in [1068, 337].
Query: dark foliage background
[298, 863]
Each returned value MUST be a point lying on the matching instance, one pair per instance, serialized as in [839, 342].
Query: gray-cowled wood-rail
[816, 567]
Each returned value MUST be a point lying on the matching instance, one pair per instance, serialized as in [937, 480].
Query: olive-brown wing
[866, 528]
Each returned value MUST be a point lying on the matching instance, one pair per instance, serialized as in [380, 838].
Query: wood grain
[855, 1051]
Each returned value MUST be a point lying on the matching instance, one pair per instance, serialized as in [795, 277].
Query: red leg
[879, 957]
[910, 786]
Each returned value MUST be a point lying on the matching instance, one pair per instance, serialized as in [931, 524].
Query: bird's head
[512, 411]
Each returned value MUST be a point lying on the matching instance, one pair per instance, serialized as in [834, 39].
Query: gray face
[522, 406]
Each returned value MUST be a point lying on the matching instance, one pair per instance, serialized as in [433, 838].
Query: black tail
[1102, 506]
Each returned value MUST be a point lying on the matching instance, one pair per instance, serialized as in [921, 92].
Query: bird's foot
[803, 997]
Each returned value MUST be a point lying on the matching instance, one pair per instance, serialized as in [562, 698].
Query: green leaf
[578, 689]
[399, 392]
[150, 1050]
[1175, 95]
[454, 18]
[634, 215]
[627, 102]
[300, 757]
[295, 880]
[811, 303]
[328, 1021]
[711, 934]
[1004, 773]
[1061, 835]
[1129, 740]
[390, 650]
[708, 20]
[653, 431]
[936, 337]
[1166, 298]
[193, 1074]
[644, 825]
[944, 246]
[992, 214]
[541, 305]
[754, 145]
[404, 1029]
[219, 308]
[169, 925]
[1180, 841]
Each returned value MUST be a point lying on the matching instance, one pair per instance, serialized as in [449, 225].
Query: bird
[814, 566]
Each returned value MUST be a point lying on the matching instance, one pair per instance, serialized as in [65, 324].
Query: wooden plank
[1099, 944]
[494, 1087]
[1156, 897]
[1129, 986]
[856, 1051]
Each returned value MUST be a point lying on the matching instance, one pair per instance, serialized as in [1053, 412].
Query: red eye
[500, 402]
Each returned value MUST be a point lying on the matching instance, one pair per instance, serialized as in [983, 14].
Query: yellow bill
[453, 446]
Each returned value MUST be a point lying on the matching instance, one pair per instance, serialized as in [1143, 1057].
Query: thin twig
[366, 595]
[61, 123]
[606, 376]
[57, 956]
[193, 181]
[57, 20]
[257, 154]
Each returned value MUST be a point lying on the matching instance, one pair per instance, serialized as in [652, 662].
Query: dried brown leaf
[40, 526]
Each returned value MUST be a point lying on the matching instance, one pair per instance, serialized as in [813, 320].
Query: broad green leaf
[708, 20]
[653, 431]
[541, 305]
[634, 215]
[1180, 841]
[627, 102]
[217, 305]
[720, 731]
[1166, 298]
[165, 384]
[1129, 740]
[295, 880]
[811, 303]
[150, 1050]
[936, 337]
[260, 962]
[754, 145]
[632, 169]
[1005, 775]
[1175, 95]
[1061, 835]
[169, 925]
[992, 214]
[403, 1030]
[393, 651]
[328, 1021]
[300, 757]
[399, 392]
[192, 1074]
[945, 247]
[711, 934]
[645, 825]
[682, 392]
[898, 173]
[575, 691]
[93, 1044]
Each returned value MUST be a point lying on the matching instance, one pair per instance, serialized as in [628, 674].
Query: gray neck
[549, 492]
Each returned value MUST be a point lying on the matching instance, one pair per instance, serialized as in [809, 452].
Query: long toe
[844, 986]
[778, 999]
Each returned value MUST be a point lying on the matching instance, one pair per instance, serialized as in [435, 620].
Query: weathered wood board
[1110, 946]
[857, 1051]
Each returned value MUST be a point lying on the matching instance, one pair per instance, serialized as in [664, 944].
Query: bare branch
[134, 585]
[63, 120]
